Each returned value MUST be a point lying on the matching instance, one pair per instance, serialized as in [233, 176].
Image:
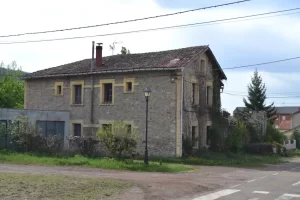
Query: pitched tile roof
[171, 59]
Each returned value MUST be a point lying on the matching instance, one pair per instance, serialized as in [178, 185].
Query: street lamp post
[147, 91]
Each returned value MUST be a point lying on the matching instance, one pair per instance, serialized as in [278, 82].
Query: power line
[271, 93]
[244, 95]
[157, 29]
[264, 63]
[126, 21]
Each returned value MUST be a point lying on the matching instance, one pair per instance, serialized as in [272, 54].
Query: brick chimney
[99, 62]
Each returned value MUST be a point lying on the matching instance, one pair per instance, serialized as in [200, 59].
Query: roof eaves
[105, 72]
[217, 63]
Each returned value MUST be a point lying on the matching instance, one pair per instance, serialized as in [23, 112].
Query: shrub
[273, 135]
[216, 139]
[259, 148]
[237, 136]
[84, 146]
[187, 145]
[119, 141]
[296, 136]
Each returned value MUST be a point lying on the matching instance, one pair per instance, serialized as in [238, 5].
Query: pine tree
[257, 96]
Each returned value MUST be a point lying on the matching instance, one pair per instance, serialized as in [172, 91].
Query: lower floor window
[194, 136]
[208, 135]
[77, 130]
[51, 128]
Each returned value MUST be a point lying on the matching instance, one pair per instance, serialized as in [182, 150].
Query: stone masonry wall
[129, 107]
[190, 112]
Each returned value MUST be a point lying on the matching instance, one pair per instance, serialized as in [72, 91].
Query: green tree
[125, 51]
[257, 96]
[11, 86]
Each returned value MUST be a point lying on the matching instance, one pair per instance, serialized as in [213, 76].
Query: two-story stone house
[111, 88]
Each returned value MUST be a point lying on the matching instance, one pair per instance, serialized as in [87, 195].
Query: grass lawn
[33, 187]
[104, 163]
[227, 159]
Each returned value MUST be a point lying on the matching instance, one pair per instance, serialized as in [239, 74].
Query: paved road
[280, 182]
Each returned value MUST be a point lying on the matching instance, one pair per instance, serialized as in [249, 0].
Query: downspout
[181, 112]
[92, 86]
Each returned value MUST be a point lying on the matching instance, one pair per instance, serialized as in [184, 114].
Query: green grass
[294, 153]
[104, 163]
[226, 159]
[54, 187]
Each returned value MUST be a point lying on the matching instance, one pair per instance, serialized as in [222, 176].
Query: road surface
[280, 182]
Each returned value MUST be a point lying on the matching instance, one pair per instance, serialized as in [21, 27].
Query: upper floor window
[129, 85]
[208, 95]
[202, 67]
[59, 88]
[107, 92]
[283, 117]
[195, 94]
[77, 94]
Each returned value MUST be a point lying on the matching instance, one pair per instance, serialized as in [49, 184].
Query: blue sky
[234, 44]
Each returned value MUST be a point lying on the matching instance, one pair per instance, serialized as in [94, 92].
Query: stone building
[111, 88]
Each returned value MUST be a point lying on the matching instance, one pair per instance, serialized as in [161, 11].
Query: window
[207, 135]
[77, 94]
[202, 67]
[77, 130]
[107, 127]
[129, 87]
[194, 136]
[195, 94]
[107, 93]
[128, 128]
[59, 88]
[51, 128]
[283, 117]
[208, 97]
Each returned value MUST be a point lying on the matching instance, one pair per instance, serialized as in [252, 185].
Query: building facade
[111, 89]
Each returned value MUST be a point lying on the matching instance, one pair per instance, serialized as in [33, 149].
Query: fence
[290, 144]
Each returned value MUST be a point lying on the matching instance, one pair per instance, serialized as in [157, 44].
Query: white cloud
[269, 37]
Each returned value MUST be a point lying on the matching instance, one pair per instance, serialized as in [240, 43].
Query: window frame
[74, 129]
[56, 85]
[125, 85]
[202, 66]
[194, 136]
[283, 117]
[73, 84]
[46, 129]
[102, 91]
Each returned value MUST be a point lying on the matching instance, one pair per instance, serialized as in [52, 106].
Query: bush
[84, 146]
[237, 136]
[259, 148]
[119, 141]
[216, 139]
[296, 136]
[187, 145]
[273, 135]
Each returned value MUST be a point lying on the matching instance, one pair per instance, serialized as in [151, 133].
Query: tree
[11, 86]
[257, 96]
[125, 51]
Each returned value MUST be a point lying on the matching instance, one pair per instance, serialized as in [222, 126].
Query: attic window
[59, 88]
